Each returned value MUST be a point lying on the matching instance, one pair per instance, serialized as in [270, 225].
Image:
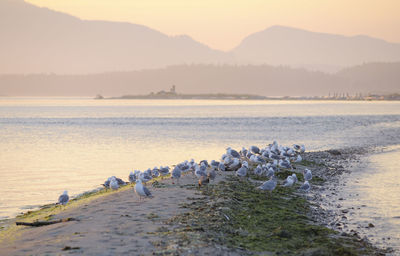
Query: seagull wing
[147, 191]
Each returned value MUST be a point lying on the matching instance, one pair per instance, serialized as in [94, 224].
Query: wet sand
[117, 223]
[364, 200]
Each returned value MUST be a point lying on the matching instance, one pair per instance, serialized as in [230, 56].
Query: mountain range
[39, 40]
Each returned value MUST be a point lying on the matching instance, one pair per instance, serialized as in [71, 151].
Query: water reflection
[373, 191]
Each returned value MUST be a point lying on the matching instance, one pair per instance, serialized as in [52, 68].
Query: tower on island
[173, 89]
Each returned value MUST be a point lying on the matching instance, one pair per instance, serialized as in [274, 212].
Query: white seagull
[288, 182]
[307, 174]
[114, 183]
[141, 190]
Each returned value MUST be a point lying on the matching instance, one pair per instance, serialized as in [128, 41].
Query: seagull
[235, 164]
[242, 171]
[227, 159]
[64, 198]
[221, 167]
[248, 155]
[254, 149]
[142, 190]
[290, 151]
[266, 153]
[145, 176]
[288, 182]
[164, 170]
[200, 171]
[107, 182]
[298, 159]
[155, 172]
[274, 156]
[114, 183]
[295, 177]
[211, 174]
[285, 154]
[258, 170]
[307, 174]
[269, 185]
[214, 164]
[205, 162]
[305, 187]
[232, 152]
[285, 164]
[132, 177]
[257, 159]
[271, 172]
[243, 152]
[176, 174]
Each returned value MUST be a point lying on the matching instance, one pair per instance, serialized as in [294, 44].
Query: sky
[222, 24]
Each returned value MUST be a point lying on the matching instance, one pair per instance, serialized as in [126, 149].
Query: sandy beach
[184, 220]
[117, 223]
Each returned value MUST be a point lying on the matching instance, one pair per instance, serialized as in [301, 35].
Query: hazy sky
[222, 24]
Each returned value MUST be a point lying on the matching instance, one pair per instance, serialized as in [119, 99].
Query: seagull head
[65, 192]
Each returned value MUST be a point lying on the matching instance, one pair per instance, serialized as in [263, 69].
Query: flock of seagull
[264, 162]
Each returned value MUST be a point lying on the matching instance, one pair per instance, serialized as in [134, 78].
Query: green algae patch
[237, 215]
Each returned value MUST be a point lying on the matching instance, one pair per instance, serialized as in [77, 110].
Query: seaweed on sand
[236, 216]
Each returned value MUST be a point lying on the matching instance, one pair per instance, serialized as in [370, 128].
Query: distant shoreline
[221, 96]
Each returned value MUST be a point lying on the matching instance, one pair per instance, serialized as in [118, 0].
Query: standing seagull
[295, 180]
[305, 187]
[269, 185]
[132, 177]
[142, 190]
[176, 174]
[307, 174]
[64, 198]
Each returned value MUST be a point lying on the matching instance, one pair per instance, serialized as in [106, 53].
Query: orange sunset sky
[223, 24]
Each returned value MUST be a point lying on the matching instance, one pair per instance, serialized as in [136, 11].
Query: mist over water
[49, 145]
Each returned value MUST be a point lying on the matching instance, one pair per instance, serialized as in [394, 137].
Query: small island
[172, 94]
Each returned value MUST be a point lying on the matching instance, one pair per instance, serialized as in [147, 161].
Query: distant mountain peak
[283, 45]
[40, 40]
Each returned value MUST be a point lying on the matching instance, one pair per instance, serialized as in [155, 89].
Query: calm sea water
[372, 192]
[48, 145]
